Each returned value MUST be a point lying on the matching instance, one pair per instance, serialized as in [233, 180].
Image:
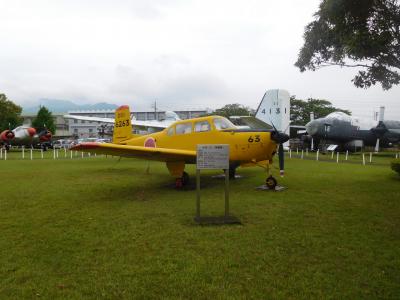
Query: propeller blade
[281, 155]
[377, 145]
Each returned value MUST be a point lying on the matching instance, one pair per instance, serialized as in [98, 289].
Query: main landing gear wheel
[271, 182]
[232, 173]
[182, 181]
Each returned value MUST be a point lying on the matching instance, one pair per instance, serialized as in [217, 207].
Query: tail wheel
[271, 182]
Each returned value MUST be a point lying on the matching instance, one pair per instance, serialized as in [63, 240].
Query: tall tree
[43, 120]
[300, 110]
[10, 113]
[233, 110]
[355, 33]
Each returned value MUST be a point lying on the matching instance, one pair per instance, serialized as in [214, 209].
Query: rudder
[122, 125]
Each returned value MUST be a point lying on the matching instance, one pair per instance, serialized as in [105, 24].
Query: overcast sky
[185, 54]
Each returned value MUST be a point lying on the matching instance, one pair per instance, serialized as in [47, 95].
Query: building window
[75, 121]
[76, 130]
[90, 130]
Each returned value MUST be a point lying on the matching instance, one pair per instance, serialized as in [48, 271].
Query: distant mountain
[63, 106]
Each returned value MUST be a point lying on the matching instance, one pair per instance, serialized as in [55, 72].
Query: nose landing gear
[271, 182]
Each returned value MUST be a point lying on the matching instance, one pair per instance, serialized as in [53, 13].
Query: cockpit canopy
[200, 125]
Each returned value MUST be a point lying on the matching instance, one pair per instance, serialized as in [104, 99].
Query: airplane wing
[158, 154]
[137, 123]
[94, 119]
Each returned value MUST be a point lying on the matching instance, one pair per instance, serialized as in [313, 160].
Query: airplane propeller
[280, 138]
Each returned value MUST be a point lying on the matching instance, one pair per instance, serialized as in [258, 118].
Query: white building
[85, 129]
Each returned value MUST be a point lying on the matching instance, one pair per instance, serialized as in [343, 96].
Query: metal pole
[347, 154]
[41, 153]
[197, 193]
[1, 153]
[290, 153]
[54, 153]
[363, 156]
[226, 192]
[31, 154]
[317, 154]
[23, 152]
[65, 152]
[302, 153]
[82, 154]
[370, 157]
[337, 157]
[332, 154]
[70, 152]
[5, 154]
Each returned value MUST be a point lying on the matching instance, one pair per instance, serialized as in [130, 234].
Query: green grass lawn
[99, 228]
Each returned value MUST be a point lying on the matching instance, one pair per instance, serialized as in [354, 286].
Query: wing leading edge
[158, 154]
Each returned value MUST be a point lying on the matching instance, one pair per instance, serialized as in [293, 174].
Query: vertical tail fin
[122, 125]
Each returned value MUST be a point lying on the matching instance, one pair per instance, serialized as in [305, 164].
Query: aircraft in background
[176, 145]
[141, 127]
[25, 136]
[343, 132]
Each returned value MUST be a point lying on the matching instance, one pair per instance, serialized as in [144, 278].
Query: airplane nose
[312, 127]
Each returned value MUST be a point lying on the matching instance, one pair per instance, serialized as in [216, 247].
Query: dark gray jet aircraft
[352, 133]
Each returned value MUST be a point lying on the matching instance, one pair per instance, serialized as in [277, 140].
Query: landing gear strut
[180, 182]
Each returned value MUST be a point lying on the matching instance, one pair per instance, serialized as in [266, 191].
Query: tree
[233, 110]
[10, 113]
[44, 120]
[366, 32]
[300, 110]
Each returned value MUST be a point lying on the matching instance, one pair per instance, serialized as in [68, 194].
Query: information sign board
[212, 156]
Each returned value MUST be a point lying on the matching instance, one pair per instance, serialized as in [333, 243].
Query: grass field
[99, 228]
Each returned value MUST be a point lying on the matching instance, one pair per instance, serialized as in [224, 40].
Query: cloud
[194, 52]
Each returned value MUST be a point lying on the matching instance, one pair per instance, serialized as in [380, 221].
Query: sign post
[214, 157]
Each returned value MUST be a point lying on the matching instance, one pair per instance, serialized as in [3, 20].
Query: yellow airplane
[176, 145]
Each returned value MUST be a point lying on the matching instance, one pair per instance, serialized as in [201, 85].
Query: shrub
[396, 165]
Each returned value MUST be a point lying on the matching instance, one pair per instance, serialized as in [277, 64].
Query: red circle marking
[150, 143]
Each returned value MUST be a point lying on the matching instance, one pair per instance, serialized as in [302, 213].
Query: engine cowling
[7, 135]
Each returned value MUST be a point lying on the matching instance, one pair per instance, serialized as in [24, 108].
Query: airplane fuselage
[343, 129]
[245, 145]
